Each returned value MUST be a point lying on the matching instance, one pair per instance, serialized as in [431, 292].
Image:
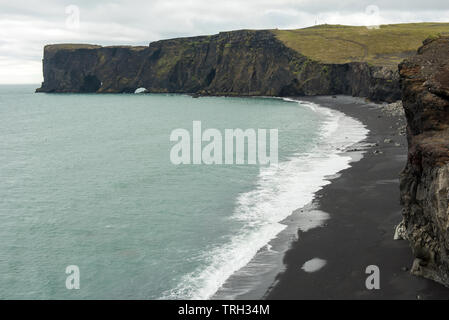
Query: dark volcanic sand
[364, 209]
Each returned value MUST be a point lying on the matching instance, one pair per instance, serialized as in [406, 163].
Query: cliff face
[231, 63]
[425, 181]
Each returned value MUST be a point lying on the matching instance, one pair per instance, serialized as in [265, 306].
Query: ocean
[87, 180]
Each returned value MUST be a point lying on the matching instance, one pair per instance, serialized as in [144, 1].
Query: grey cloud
[27, 25]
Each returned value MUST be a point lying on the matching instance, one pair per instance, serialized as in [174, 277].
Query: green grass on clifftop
[386, 46]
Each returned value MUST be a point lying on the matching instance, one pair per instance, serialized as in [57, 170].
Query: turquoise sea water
[87, 180]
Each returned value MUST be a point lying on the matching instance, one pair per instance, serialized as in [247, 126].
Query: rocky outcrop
[244, 63]
[425, 181]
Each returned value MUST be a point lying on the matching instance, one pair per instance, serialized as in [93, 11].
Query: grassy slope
[387, 46]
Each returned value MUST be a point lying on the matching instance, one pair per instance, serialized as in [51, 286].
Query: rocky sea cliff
[238, 63]
[425, 181]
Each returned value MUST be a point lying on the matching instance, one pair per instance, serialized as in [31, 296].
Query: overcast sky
[27, 25]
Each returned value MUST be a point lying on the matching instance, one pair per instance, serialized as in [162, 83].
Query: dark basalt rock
[425, 180]
[240, 63]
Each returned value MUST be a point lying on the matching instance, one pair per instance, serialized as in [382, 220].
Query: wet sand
[364, 208]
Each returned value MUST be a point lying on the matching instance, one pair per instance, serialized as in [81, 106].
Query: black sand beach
[364, 209]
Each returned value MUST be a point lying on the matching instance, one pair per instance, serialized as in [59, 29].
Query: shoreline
[363, 204]
[342, 142]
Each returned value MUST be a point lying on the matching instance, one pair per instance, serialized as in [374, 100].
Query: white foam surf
[314, 265]
[280, 191]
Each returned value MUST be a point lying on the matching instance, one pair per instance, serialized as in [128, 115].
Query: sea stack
[425, 180]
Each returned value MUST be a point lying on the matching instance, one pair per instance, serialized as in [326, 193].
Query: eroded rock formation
[425, 181]
[244, 63]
